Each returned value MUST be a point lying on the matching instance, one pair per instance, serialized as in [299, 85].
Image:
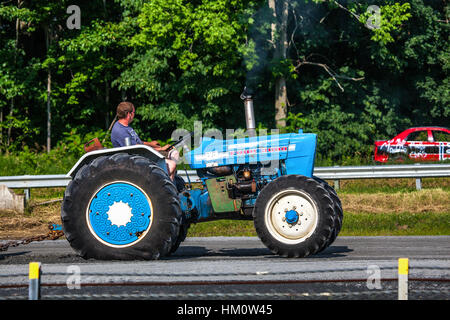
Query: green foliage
[381, 86]
[185, 65]
[58, 161]
[19, 125]
[387, 21]
[28, 162]
[183, 61]
[294, 123]
[73, 142]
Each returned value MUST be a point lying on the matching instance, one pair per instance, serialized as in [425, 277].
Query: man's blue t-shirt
[120, 132]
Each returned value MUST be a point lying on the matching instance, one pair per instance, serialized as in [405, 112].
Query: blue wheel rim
[119, 214]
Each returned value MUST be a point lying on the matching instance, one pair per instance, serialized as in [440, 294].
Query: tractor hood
[214, 153]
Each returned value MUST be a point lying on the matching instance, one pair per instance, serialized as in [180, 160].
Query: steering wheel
[174, 144]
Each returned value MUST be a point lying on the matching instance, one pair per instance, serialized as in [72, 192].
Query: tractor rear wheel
[294, 216]
[338, 212]
[121, 207]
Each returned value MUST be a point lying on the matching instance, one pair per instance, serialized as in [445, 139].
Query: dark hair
[123, 109]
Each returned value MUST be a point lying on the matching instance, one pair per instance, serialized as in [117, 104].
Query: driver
[122, 130]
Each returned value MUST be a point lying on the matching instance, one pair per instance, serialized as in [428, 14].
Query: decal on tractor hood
[215, 155]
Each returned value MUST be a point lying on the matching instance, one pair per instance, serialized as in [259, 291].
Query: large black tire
[179, 183]
[155, 195]
[294, 216]
[184, 225]
[338, 212]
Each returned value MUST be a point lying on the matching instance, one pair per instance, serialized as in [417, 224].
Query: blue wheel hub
[291, 216]
[119, 214]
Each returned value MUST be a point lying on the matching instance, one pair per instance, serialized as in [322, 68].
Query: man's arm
[155, 145]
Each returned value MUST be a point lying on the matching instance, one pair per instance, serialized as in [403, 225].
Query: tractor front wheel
[294, 216]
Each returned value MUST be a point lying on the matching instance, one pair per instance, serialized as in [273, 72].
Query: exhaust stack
[249, 112]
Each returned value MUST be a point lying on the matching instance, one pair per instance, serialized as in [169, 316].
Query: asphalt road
[237, 268]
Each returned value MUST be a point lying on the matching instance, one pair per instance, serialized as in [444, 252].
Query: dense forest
[350, 71]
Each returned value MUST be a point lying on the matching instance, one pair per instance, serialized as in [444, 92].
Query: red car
[418, 144]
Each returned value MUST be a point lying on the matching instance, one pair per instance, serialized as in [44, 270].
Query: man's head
[125, 110]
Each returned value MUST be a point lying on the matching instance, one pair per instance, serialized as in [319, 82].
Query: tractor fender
[138, 149]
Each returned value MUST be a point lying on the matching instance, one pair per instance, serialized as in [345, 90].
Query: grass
[371, 208]
[232, 228]
[424, 201]
[396, 224]
[425, 212]
[390, 185]
[355, 224]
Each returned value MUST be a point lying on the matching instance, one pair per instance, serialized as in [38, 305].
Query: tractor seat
[92, 145]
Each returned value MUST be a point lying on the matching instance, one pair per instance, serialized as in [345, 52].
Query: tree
[184, 66]
[349, 72]
[279, 42]
[16, 72]
[387, 18]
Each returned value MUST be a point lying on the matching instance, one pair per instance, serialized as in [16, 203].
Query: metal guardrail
[37, 181]
[416, 171]
[383, 171]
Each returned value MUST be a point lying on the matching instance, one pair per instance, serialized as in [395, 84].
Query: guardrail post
[34, 288]
[418, 184]
[27, 195]
[403, 279]
[336, 184]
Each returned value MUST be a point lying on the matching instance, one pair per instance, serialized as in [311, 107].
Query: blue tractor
[121, 203]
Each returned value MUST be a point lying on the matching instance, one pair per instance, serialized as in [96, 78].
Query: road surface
[237, 268]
